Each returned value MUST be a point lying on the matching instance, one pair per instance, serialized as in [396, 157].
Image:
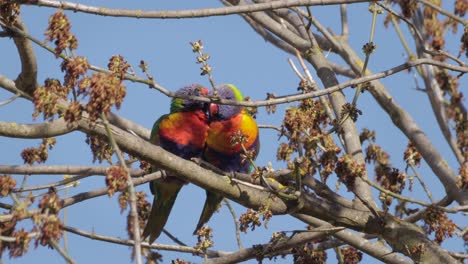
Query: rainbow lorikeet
[183, 132]
[225, 123]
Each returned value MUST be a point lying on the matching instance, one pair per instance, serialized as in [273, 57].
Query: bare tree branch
[53, 128]
[270, 249]
[27, 79]
[206, 12]
[61, 170]
[182, 249]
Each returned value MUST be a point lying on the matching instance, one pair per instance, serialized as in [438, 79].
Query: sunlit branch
[194, 13]
[73, 181]
[53, 128]
[61, 170]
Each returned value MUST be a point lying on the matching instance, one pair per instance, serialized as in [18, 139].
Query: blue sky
[239, 56]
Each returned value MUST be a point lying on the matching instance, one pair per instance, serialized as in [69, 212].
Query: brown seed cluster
[306, 254]
[271, 109]
[351, 110]
[50, 202]
[59, 32]
[7, 229]
[455, 110]
[104, 91]
[347, 170]
[204, 236]
[48, 222]
[100, 147]
[408, 7]
[460, 7]
[7, 183]
[387, 176]
[116, 179]
[153, 257]
[436, 220]
[249, 219]
[180, 261]
[9, 11]
[50, 229]
[304, 127]
[367, 135]
[143, 211]
[412, 155]
[146, 166]
[202, 58]
[40, 154]
[21, 244]
[46, 97]
[351, 255]
[74, 69]
[462, 182]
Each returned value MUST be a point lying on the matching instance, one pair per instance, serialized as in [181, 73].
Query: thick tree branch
[27, 79]
[53, 128]
[431, 155]
[403, 120]
[400, 235]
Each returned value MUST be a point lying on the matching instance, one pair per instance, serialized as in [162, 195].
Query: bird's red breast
[185, 128]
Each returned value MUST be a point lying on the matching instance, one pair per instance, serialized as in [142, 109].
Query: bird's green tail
[212, 203]
[165, 196]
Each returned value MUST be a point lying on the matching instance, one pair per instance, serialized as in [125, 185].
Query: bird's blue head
[223, 112]
[184, 105]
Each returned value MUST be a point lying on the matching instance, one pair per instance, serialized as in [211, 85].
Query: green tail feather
[212, 203]
[166, 194]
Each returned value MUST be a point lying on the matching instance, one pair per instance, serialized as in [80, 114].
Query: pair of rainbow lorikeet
[196, 129]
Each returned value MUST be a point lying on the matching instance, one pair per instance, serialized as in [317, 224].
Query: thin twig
[131, 191]
[60, 250]
[411, 200]
[9, 100]
[236, 222]
[426, 189]
[73, 180]
[183, 249]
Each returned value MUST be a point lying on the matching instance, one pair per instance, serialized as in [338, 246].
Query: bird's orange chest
[221, 132]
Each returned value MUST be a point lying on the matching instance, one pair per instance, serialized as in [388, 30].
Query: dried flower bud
[116, 179]
[7, 183]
